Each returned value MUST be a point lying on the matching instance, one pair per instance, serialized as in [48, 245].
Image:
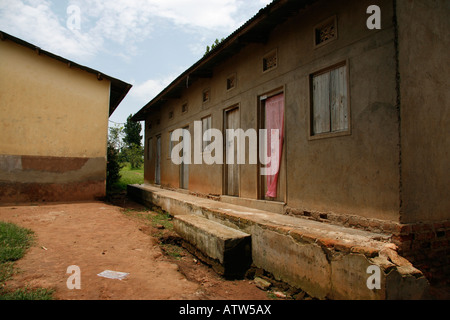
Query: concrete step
[327, 261]
[272, 206]
[227, 250]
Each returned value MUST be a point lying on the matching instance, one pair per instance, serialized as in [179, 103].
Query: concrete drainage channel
[324, 261]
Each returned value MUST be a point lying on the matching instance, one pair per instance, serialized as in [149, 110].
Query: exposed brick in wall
[425, 244]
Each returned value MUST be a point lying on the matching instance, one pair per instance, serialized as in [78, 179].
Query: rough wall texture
[53, 129]
[390, 173]
[425, 113]
[49, 109]
[51, 179]
[325, 260]
[425, 143]
[355, 174]
[426, 244]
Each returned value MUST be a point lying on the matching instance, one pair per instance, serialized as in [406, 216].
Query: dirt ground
[99, 236]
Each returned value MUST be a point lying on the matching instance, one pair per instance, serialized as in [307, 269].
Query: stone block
[227, 250]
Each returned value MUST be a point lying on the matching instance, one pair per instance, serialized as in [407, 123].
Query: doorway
[231, 174]
[158, 161]
[184, 167]
[271, 117]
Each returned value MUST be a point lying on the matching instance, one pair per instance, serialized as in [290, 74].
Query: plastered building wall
[425, 110]
[53, 128]
[353, 174]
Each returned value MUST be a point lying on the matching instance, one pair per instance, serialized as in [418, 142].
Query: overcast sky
[147, 43]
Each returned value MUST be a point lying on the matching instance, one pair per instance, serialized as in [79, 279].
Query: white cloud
[198, 48]
[34, 21]
[209, 14]
[149, 89]
[121, 22]
[265, 2]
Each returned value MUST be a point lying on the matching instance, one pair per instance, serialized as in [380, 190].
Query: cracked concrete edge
[401, 280]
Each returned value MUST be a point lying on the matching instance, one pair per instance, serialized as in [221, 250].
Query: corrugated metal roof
[255, 30]
[119, 88]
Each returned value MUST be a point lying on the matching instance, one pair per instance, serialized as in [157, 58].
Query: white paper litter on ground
[113, 274]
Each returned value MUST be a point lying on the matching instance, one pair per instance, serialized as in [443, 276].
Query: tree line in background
[213, 46]
[125, 143]
[124, 146]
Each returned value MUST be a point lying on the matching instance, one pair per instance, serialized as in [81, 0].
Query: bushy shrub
[134, 155]
[113, 166]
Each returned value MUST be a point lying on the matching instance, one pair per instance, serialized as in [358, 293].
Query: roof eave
[120, 87]
[243, 36]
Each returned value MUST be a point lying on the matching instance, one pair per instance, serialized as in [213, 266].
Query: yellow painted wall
[49, 109]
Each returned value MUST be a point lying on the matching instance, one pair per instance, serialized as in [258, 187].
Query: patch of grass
[129, 176]
[162, 224]
[155, 216]
[163, 218]
[14, 242]
[6, 271]
[172, 250]
[28, 294]
[271, 295]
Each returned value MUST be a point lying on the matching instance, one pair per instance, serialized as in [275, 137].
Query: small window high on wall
[184, 108]
[330, 112]
[231, 81]
[270, 61]
[325, 32]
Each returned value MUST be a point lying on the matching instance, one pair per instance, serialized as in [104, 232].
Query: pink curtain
[274, 120]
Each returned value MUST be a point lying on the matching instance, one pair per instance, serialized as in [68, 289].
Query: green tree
[134, 155]
[132, 131]
[115, 137]
[215, 44]
[113, 166]
[132, 150]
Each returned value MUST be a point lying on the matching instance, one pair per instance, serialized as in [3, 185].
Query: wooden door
[184, 167]
[158, 161]
[231, 169]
